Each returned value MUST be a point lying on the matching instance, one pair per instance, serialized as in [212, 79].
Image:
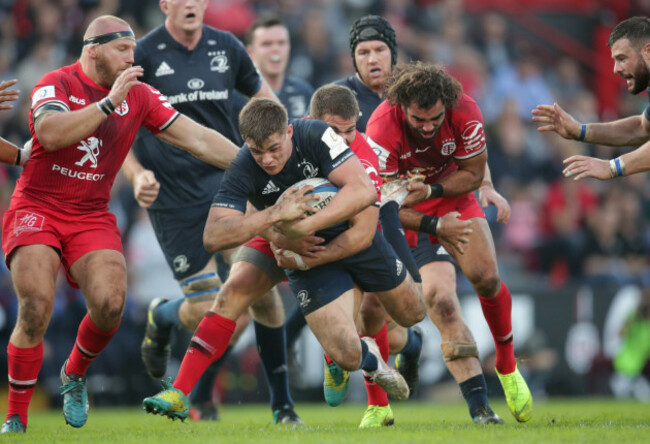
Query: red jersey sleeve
[53, 90]
[467, 122]
[384, 134]
[160, 113]
[368, 159]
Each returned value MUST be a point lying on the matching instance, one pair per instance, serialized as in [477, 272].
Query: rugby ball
[323, 189]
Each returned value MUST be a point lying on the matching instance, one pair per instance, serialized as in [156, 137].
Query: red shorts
[30, 223]
[262, 245]
[467, 205]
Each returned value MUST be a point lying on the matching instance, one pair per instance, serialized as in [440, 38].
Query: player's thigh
[333, 326]
[479, 262]
[101, 275]
[245, 285]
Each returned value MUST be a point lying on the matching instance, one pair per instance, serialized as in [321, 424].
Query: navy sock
[202, 391]
[166, 314]
[271, 345]
[368, 360]
[475, 393]
[413, 345]
[394, 234]
[294, 325]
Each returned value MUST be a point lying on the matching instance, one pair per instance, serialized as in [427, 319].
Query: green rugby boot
[170, 402]
[335, 384]
[518, 397]
[377, 416]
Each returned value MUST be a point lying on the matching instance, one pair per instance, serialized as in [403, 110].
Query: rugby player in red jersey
[84, 117]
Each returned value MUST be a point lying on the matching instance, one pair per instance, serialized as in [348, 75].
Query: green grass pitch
[554, 421]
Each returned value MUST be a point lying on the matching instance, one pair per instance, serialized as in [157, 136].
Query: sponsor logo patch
[27, 221]
[44, 92]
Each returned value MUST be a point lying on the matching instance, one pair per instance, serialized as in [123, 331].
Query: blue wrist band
[583, 132]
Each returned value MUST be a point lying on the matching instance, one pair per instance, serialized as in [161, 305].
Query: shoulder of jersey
[299, 83]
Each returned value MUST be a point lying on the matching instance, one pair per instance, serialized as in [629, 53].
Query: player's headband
[109, 37]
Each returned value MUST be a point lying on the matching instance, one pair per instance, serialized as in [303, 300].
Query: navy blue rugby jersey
[199, 84]
[368, 100]
[294, 95]
[317, 150]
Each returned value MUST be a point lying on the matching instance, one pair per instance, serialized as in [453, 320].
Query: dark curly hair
[423, 84]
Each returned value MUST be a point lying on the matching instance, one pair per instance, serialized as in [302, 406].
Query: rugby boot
[155, 348]
[75, 398]
[335, 384]
[385, 377]
[13, 426]
[376, 416]
[487, 416]
[518, 397]
[286, 416]
[170, 402]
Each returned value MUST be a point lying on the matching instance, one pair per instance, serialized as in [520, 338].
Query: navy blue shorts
[427, 252]
[374, 269]
[180, 235]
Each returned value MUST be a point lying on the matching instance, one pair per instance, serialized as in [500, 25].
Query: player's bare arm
[8, 95]
[488, 195]
[580, 167]
[145, 185]
[630, 131]
[56, 130]
[208, 145]
[353, 240]
[356, 193]
[228, 228]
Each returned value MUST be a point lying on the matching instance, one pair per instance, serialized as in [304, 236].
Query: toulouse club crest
[123, 109]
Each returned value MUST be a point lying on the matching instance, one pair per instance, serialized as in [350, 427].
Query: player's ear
[645, 52]
[163, 6]
[289, 131]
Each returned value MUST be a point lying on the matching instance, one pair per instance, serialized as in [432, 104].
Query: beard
[104, 71]
[641, 78]
[419, 134]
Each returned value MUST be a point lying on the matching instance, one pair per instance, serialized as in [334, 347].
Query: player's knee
[108, 312]
[486, 283]
[33, 316]
[445, 308]
[269, 310]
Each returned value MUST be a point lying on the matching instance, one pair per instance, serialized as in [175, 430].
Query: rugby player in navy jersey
[198, 68]
[267, 43]
[276, 156]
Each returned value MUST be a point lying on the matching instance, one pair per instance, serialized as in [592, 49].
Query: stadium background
[575, 255]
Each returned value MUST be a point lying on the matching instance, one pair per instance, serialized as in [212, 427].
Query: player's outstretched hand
[8, 95]
[488, 195]
[123, 84]
[455, 231]
[145, 188]
[579, 167]
[554, 118]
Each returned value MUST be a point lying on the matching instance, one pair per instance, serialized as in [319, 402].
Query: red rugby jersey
[369, 160]
[79, 177]
[461, 136]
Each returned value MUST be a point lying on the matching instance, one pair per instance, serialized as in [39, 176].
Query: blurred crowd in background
[561, 232]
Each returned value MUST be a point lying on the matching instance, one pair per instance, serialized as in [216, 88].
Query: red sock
[24, 365]
[89, 344]
[377, 395]
[497, 312]
[209, 342]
